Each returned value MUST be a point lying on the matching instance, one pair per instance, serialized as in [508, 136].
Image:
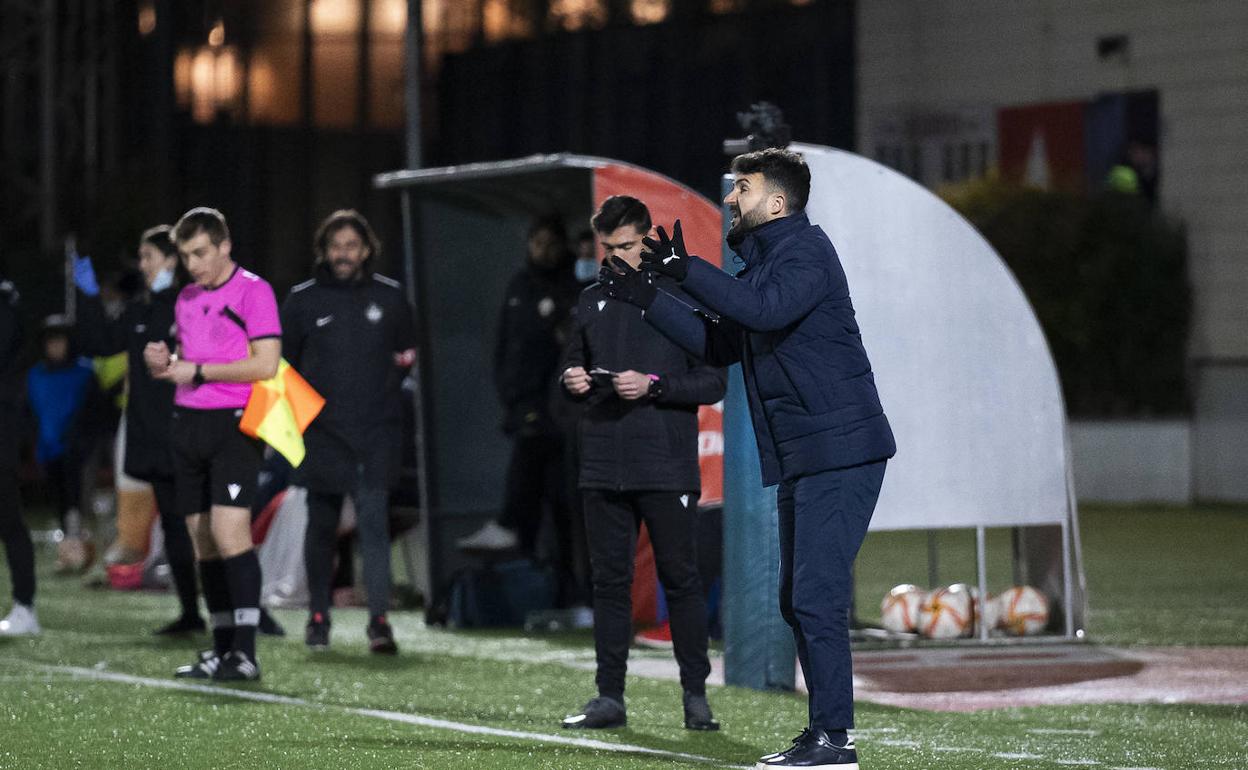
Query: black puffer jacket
[533, 329]
[149, 406]
[649, 443]
[342, 337]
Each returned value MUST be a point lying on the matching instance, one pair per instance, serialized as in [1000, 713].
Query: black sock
[220, 608]
[243, 573]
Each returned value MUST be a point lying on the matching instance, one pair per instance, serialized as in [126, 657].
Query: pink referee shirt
[216, 326]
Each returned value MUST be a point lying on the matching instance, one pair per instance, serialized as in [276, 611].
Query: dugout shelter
[464, 237]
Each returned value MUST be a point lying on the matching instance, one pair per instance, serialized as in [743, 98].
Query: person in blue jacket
[822, 435]
[66, 403]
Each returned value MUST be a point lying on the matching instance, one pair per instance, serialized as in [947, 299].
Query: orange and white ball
[947, 613]
[1023, 610]
[899, 611]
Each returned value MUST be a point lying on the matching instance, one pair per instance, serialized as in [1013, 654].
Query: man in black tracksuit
[639, 462]
[533, 328]
[349, 332]
[13, 531]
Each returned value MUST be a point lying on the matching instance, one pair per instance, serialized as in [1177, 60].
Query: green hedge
[1107, 277]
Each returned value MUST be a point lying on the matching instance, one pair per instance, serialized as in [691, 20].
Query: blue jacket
[58, 396]
[788, 318]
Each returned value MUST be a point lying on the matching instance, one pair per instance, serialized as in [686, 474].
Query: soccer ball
[986, 612]
[1023, 610]
[900, 608]
[947, 613]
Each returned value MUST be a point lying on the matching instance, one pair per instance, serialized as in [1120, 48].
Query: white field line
[392, 716]
[1053, 731]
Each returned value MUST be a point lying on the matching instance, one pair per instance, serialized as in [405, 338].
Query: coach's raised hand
[666, 255]
[620, 281]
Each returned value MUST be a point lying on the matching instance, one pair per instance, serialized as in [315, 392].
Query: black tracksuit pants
[612, 520]
[13, 531]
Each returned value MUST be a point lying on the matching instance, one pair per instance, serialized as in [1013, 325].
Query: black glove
[666, 255]
[620, 281]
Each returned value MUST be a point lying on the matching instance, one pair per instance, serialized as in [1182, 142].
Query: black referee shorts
[214, 462]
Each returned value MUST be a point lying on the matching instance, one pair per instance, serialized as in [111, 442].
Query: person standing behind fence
[229, 336]
[149, 409]
[639, 462]
[349, 332]
[19, 550]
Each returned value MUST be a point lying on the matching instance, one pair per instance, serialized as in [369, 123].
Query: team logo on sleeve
[373, 313]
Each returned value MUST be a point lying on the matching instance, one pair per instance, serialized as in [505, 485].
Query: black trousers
[537, 479]
[13, 531]
[823, 520]
[372, 526]
[612, 520]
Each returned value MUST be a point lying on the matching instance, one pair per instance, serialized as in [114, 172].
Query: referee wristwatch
[198, 379]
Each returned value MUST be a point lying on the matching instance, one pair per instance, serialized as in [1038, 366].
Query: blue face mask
[586, 270]
[162, 281]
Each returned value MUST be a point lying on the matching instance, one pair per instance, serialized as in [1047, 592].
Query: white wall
[966, 54]
[1132, 461]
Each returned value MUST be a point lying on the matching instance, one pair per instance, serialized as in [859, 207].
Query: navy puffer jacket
[788, 318]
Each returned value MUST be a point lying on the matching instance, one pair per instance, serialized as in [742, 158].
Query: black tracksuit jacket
[149, 405]
[342, 337]
[651, 443]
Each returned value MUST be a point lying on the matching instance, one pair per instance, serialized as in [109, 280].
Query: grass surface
[51, 716]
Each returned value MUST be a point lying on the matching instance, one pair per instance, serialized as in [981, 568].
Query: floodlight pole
[411, 101]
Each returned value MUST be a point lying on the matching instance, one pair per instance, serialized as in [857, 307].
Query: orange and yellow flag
[280, 410]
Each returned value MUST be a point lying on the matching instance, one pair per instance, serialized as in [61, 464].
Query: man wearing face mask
[349, 332]
[149, 409]
[822, 435]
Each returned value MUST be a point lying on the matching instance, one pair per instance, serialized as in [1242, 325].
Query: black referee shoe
[187, 624]
[813, 751]
[204, 668]
[601, 712]
[237, 667]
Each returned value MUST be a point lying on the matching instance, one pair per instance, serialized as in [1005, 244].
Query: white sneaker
[491, 537]
[20, 622]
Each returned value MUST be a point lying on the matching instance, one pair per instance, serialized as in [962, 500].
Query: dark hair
[551, 223]
[337, 221]
[161, 237]
[620, 210]
[784, 170]
[201, 219]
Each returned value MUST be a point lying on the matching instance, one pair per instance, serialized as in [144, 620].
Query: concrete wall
[966, 55]
[1132, 461]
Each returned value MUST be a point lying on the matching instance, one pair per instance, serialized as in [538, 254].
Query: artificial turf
[52, 714]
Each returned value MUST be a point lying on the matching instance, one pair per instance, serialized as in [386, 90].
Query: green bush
[1107, 277]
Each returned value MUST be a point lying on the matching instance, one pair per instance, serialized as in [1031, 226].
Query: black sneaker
[698, 713]
[813, 750]
[316, 635]
[237, 667]
[187, 624]
[204, 668]
[381, 637]
[268, 624]
[599, 713]
[801, 738]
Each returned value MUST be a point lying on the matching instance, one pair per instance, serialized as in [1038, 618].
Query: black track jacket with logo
[342, 337]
